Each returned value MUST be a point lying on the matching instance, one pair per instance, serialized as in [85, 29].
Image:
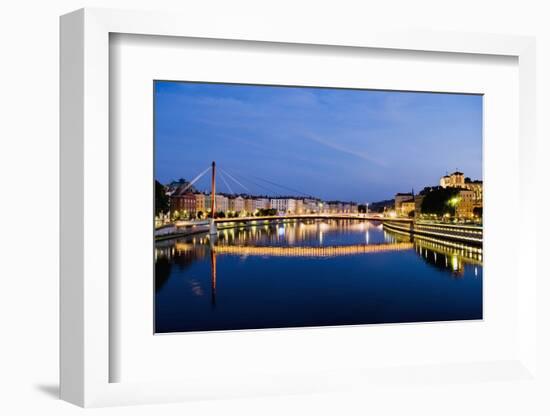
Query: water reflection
[306, 249]
[445, 255]
[295, 232]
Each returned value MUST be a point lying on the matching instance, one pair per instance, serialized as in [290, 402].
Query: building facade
[261, 203]
[200, 202]
[299, 206]
[311, 206]
[222, 203]
[335, 207]
[249, 205]
[236, 204]
[407, 207]
[454, 180]
[466, 204]
[183, 205]
[283, 205]
[418, 204]
[457, 180]
[404, 203]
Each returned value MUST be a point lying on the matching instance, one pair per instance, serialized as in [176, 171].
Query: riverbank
[183, 229]
[467, 234]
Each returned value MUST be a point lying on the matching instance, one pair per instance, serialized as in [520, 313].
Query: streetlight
[453, 202]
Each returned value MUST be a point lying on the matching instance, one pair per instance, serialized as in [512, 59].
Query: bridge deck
[313, 216]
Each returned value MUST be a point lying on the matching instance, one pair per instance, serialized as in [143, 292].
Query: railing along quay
[463, 233]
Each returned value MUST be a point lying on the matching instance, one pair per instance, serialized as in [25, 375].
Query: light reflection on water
[418, 280]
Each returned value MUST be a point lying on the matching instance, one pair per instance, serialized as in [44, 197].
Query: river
[312, 273]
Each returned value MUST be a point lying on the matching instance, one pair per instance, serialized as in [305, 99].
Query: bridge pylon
[213, 228]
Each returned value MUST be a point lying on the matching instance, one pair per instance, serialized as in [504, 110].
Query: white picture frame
[85, 211]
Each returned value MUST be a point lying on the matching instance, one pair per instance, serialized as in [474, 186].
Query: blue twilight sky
[335, 144]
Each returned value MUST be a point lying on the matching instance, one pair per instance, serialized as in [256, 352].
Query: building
[278, 204]
[222, 203]
[457, 180]
[404, 198]
[291, 205]
[324, 207]
[406, 208]
[349, 208]
[466, 204]
[418, 204]
[335, 207]
[249, 205]
[236, 204]
[299, 206]
[261, 203]
[477, 188]
[311, 206]
[183, 205]
[200, 202]
[283, 205]
[179, 185]
[454, 180]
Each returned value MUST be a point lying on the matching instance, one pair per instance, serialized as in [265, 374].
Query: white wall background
[29, 203]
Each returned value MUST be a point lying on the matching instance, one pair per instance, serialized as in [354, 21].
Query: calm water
[290, 275]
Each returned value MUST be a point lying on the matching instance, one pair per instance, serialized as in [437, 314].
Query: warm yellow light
[454, 201]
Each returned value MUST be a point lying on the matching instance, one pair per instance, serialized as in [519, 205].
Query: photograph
[281, 206]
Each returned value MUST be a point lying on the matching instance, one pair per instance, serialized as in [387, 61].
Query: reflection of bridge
[443, 254]
[297, 251]
[300, 251]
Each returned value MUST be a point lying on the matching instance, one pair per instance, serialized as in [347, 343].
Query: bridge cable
[282, 186]
[272, 183]
[224, 181]
[190, 184]
[228, 174]
[269, 191]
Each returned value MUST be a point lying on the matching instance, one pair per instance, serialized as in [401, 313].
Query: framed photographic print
[269, 212]
[304, 218]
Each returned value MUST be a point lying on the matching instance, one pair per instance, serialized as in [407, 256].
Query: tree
[411, 214]
[362, 208]
[162, 203]
[440, 201]
[200, 215]
[266, 212]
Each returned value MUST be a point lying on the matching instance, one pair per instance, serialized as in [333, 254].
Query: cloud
[344, 149]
